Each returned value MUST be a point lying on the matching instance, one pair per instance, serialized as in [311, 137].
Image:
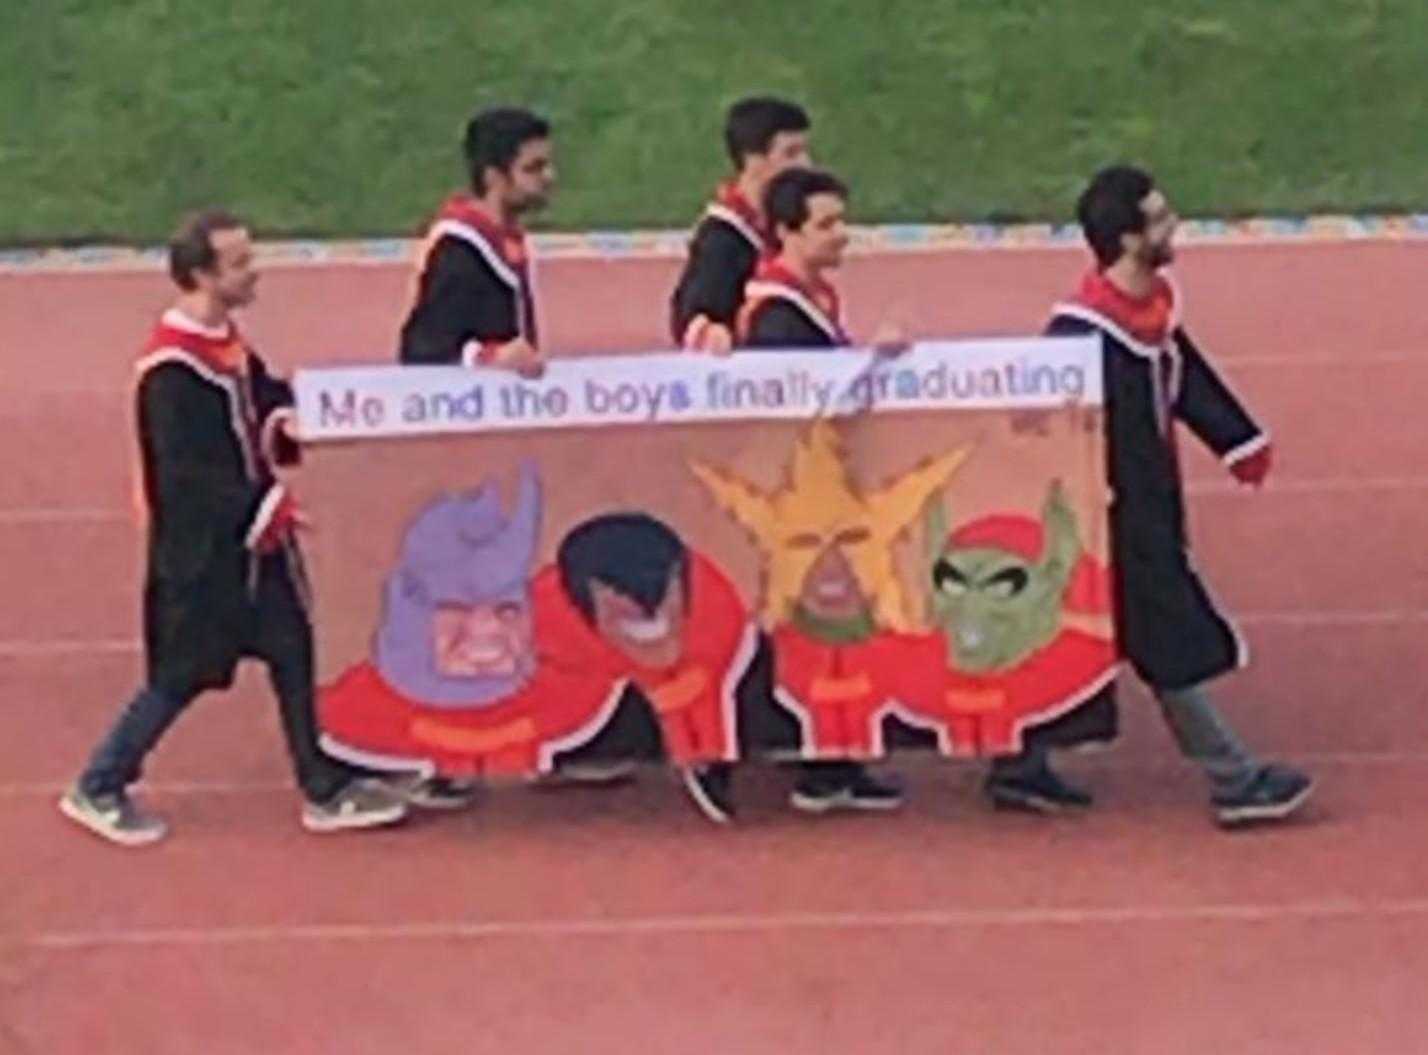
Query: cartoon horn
[524, 526]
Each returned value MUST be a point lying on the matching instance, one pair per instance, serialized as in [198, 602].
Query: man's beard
[1158, 256]
[239, 298]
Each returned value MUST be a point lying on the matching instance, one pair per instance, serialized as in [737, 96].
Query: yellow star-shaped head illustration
[819, 513]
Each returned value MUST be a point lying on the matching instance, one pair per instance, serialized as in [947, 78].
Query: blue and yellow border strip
[887, 238]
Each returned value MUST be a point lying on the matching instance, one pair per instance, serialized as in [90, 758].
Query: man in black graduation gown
[225, 578]
[475, 305]
[1168, 626]
[790, 303]
[475, 298]
[763, 136]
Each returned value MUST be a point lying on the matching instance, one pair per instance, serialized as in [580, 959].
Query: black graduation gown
[1168, 625]
[467, 292]
[723, 254]
[780, 324]
[777, 313]
[207, 443]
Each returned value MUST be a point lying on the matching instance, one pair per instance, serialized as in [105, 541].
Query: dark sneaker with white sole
[587, 775]
[1041, 792]
[712, 789]
[1275, 794]
[859, 790]
[361, 804]
[434, 793]
[114, 817]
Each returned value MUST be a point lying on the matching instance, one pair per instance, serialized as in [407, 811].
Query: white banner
[667, 388]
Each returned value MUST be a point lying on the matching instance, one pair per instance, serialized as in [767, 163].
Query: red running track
[618, 921]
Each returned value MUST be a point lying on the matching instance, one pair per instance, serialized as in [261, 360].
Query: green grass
[343, 116]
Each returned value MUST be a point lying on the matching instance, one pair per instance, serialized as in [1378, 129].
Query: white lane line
[727, 923]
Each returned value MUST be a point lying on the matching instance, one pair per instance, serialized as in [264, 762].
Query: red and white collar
[216, 349]
[818, 300]
[1143, 324]
[504, 246]
[733, 208]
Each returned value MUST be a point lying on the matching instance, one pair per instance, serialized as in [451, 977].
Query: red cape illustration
[576, 684]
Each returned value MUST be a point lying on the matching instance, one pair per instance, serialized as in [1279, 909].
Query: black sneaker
[361, 804]
[114, 817]
[712, 789]
[434, 793]
[859, 790]
[587, 775]
[1040, 792]
[1273, 795]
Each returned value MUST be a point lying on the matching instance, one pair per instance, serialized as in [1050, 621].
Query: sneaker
[434, 793]
[861, 791]
[588, 775]
[114, 817]
[361, 804]
[1273, 795]
[711, 788]
[1042, 792]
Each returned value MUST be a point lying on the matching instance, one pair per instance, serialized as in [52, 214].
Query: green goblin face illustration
[997, 584]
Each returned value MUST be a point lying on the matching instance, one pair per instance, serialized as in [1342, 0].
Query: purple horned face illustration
[456, 625]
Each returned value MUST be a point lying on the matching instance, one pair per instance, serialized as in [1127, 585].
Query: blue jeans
[1201, 733]
[283, 641]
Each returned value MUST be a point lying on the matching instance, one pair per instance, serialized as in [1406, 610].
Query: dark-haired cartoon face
[652, 638]
[628, 573]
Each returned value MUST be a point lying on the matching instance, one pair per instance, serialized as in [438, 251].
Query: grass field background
[342, 117]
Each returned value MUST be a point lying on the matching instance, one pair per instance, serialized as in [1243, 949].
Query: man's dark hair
[1109, 207]
[494, 138]
[751, 125]
[630, 552]
[191, 245]
[786, 196]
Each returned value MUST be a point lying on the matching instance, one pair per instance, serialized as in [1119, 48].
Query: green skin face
[996, 608]
[835, 631]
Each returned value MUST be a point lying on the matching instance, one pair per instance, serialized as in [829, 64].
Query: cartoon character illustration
[665, 618]
[457, 628]
[842, 625]
[628, 574]
[456, 682]
[1004, 589]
